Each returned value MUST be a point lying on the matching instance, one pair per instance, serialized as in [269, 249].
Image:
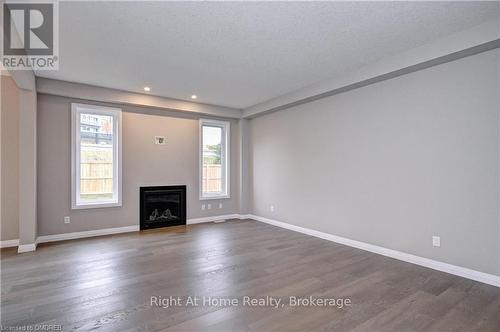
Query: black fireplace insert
[162, 206]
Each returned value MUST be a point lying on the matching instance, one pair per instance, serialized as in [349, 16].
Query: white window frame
[226, 157]
[116, 113]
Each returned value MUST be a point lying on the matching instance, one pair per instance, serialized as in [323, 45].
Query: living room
[250, 166]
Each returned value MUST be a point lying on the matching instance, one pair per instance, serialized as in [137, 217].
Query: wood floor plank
[106, 283]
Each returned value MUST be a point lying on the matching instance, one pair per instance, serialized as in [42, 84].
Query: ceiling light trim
[107, 95]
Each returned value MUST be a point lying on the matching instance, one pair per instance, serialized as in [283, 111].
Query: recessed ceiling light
[194, 96]
[147, 88]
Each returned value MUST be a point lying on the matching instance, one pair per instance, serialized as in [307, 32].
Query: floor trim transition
[106, 231]
[213, 219]
[426, 262]
[26, 248]
[486, 278]
[84, 234]
[9, 243]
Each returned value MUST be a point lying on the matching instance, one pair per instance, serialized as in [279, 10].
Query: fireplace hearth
[162, 206]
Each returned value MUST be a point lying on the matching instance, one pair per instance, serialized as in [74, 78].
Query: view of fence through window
[212, 159]
[96, 157]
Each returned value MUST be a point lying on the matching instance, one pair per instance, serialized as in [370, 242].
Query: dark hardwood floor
[107, 283]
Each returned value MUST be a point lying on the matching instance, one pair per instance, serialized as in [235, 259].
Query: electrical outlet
[271, 208]
[209, 206]
[67, 220]
[436, 241]
[203, 206]
[220, 205]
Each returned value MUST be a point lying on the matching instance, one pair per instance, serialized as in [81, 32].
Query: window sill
[206, 198]
[96, 205]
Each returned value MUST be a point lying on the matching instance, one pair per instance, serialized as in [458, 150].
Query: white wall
[392, 163]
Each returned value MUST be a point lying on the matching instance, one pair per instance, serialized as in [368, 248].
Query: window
[95, 156]
[214, 159]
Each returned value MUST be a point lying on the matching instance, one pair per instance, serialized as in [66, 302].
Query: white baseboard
[118, 230]
[426, 262]
[9, 243]
[212, 219]
[26, 248]
[80, 235]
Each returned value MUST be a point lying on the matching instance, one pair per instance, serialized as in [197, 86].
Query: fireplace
[162, 206]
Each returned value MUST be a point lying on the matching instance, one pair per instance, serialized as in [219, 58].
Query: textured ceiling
[239, 54]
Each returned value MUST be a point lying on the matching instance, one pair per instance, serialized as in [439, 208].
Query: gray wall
[144, 163]
[393, 163]
[245, 167]
[10, 159]
[28, 227]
